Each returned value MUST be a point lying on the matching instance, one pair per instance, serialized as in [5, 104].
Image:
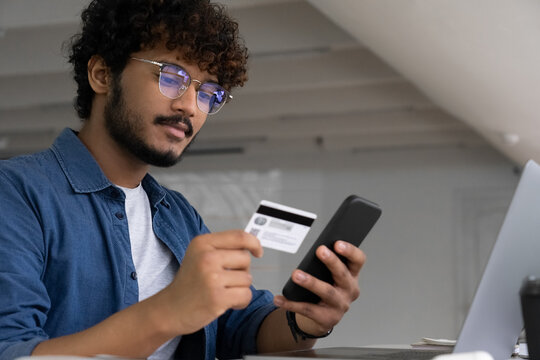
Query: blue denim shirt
[65, 255]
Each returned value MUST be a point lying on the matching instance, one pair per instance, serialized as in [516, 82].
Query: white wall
[442, 208]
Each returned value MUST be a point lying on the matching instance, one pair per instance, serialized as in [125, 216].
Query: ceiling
[348, 75]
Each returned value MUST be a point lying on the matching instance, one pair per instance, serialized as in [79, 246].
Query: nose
[187, 103]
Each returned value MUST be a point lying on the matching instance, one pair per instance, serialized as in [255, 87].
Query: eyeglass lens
[174, 81]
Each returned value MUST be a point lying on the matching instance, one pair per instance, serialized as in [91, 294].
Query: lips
[177, 131]
[179, 127]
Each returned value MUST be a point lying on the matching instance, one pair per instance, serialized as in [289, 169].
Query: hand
[318, 319]
[213, 277]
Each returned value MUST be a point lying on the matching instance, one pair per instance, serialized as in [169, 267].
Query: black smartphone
[351, 222]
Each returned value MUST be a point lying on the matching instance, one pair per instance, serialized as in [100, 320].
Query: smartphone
[351, 222]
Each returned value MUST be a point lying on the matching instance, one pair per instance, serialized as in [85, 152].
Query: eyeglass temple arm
[149, 61]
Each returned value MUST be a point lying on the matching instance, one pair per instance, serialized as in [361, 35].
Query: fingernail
[300, 276]
[278, 301]
[325, 252]
[341, 246]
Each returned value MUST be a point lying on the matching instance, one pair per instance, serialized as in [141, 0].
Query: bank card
[280, 227]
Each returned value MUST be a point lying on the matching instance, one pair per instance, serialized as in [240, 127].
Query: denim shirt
[65, 255]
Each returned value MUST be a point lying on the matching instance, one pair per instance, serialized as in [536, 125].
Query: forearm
[134, 332]
[275, 335]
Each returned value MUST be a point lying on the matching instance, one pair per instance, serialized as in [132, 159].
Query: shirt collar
[84, 173]
[79, 166]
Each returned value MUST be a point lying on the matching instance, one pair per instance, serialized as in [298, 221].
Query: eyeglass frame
[161, 65]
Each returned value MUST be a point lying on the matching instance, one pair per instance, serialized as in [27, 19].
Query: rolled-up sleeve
[24, 301]
[237, 329]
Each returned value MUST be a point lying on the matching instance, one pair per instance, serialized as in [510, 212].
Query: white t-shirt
[155, 264]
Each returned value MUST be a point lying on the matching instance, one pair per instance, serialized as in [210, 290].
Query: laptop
[494, 321]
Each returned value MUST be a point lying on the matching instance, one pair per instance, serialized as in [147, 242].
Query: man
[96, 256]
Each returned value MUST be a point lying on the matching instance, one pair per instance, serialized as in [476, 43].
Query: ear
[98, 75]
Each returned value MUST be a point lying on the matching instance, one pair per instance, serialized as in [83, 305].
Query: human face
[155, 129]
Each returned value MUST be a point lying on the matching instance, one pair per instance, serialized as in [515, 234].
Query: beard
[127, 128]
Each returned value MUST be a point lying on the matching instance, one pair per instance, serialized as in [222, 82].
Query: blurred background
[427, 107]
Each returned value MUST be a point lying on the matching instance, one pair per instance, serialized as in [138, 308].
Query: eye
[213, 92]
[172, 80]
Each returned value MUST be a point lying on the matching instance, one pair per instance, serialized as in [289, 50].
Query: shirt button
[119, 215]
[134, 275]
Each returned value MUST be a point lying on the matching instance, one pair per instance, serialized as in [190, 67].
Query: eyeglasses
[174, 80]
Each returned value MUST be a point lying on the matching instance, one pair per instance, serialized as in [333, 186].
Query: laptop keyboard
[377, 353]
[401, 355]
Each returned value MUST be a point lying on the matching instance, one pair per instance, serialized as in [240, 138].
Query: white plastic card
[280, 227]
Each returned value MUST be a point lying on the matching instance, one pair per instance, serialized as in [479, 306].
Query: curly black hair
[114, 29]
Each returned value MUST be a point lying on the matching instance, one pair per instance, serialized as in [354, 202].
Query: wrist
[298, 330]
[163, 315]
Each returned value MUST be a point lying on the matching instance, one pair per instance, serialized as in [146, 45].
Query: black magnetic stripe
[284, 215]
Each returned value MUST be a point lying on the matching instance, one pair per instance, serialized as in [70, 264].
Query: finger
[236, 239]
[340, 272]
[324, 316]
[234, 259]
[298, 307]
[238, 298]
[356, 257]
[327, 292]
[235, 278]
[213, 260]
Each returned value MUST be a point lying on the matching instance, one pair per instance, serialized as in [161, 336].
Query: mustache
[174, 120]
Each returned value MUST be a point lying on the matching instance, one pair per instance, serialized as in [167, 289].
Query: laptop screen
[494, 321]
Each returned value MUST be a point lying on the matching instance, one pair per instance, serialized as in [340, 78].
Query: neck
[119, 166]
